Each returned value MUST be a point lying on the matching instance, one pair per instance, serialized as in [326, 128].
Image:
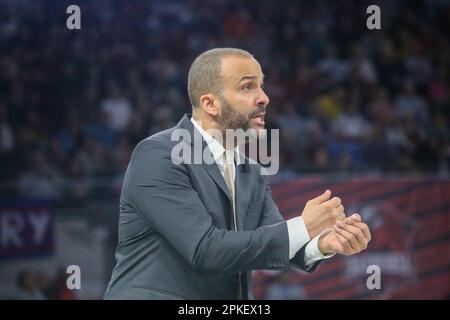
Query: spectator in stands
[28, 287]
[126, 77]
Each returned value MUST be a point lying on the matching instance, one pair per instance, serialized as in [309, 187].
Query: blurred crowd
[74, 103]
[32, 285]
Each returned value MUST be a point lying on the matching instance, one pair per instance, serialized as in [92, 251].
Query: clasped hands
[338, 233]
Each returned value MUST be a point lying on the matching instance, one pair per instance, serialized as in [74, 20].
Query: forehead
[234, 68]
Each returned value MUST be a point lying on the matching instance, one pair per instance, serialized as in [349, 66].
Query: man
[195, 231]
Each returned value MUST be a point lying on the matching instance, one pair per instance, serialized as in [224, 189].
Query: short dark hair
[204, 73]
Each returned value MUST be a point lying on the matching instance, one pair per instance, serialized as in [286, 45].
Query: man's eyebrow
[250, 77]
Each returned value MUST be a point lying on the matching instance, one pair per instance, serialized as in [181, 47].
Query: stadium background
[364, 113]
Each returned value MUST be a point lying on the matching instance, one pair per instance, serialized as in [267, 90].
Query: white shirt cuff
[312, 252]
[298, 235]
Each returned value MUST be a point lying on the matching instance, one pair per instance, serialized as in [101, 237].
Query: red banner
[409, 219]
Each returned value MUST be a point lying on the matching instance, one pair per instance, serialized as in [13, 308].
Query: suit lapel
[242, 181]
[212, 169]
[214, 172]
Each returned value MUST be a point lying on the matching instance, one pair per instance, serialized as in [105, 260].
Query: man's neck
[206, 124]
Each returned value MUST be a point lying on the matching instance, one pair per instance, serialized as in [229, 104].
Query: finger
[363, 227]
[322, 198]
[339, 212]
[350, 239]
[356, 217]
[357, 232]
[332, 203]
[367, 233]
[352, 219]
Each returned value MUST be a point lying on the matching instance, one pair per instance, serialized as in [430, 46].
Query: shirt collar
[217, 149]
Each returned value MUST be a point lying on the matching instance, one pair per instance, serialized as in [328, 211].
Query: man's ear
[209, 104]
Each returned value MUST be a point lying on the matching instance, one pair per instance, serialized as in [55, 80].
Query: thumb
[322, 198]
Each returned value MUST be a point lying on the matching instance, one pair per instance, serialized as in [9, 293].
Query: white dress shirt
[298, 234]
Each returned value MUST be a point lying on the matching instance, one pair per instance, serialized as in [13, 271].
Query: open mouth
[258, 119]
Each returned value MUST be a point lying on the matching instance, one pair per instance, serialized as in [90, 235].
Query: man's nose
[262, 98]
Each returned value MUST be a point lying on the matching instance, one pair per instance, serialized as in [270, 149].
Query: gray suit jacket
[175, 239]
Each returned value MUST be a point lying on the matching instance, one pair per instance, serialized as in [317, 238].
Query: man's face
[243, 101]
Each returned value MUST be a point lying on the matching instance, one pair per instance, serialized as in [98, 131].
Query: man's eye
[247, 87]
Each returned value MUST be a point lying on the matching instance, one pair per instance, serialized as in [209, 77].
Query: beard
[231, 118]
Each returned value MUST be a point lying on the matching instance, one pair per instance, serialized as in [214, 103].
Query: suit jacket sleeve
[162, 194]
[271, 215]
